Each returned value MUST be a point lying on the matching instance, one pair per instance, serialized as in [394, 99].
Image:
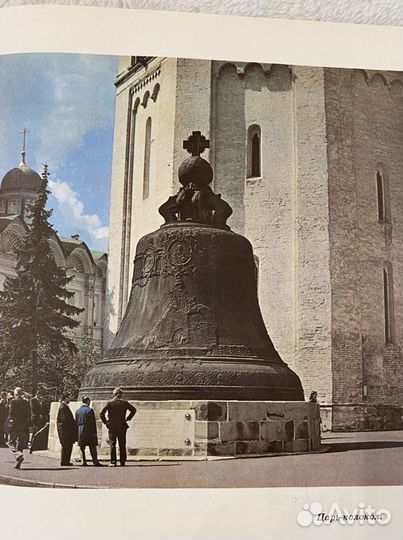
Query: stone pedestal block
[199, 429]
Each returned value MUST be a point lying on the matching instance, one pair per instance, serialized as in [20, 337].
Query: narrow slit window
[381, 196]
[387, 304]
[254, 158]
[255, 155]
[147, 160]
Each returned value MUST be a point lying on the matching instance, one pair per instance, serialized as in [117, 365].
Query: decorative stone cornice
[145, 80]
[381, 77]
[390, 81]
[241, 68]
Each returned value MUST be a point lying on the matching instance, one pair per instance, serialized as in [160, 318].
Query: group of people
[21, 414]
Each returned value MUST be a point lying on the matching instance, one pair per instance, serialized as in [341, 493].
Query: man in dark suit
[87, 431]
[18, 424]
[66, 429]
[39, 411]
[39, 417]
[116, 422]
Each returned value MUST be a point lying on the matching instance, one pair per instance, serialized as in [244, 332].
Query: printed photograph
[201, 274]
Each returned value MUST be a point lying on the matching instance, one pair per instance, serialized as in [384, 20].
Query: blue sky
[67, 102]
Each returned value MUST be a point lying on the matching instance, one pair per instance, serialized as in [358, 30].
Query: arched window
[146, 97]
[156, 91]
[147, 158]
[388, 303]
[254, 158]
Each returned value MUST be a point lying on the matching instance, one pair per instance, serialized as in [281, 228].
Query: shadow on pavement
[46, 469]
[365, 445]
[165, 464]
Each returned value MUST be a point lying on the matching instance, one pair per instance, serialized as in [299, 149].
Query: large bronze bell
[193, 327]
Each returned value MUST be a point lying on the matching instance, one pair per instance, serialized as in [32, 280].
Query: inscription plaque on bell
[162, 429]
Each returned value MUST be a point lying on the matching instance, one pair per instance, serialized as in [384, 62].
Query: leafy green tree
[35, 314]
[71, 368]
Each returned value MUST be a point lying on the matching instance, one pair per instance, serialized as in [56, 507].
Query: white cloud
[75, 106]
[72, 207]
[60, 98]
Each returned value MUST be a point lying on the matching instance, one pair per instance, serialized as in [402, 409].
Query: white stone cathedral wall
[269, 201]
[365, 129]
[116, 216]
[230, 141]
[284, 213]
[311, 236]
[378, 127]
[192, 107]
[145, 217]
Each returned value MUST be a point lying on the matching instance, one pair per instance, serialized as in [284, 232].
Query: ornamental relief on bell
[184, 321]
[182, 253]
[176, 255]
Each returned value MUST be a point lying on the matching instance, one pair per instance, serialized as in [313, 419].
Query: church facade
[87, 268]
[311, 161]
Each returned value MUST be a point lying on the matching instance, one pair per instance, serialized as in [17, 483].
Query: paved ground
[363, 459]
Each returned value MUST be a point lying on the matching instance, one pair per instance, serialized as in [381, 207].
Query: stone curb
[24, 482]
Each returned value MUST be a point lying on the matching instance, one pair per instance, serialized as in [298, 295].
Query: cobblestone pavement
[351, 459]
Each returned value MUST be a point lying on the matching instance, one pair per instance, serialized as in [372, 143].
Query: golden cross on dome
[24, 135]
[196, 143]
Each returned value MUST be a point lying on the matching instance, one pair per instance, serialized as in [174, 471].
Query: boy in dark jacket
[3, 417]
[87, 431]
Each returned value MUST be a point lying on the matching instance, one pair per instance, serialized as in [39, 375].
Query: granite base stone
[364, 417]
[199, 429]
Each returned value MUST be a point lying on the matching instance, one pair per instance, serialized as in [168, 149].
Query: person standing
[116, 422]
[39, 411]
[10, 397]
[39, 417]
[66, 429]
[3, 418]
[18, 424]
[87, 431]
[313, 398]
